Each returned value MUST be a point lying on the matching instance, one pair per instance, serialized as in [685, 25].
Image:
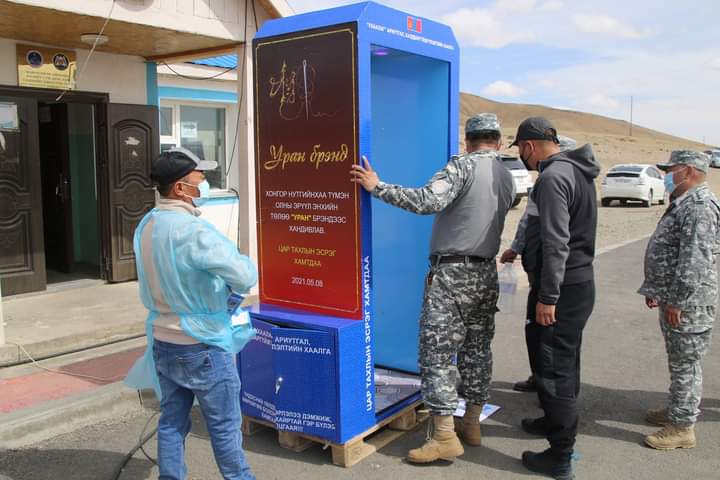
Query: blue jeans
[208, 373]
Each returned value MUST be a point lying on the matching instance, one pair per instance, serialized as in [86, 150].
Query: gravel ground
[616, 224]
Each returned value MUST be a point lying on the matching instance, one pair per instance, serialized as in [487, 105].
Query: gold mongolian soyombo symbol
[296, 88]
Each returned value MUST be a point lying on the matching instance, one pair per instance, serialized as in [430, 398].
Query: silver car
[714, 158]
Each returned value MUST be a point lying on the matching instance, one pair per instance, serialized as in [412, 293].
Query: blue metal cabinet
[305, 381]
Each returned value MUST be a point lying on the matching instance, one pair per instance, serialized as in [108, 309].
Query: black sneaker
[528, 385]
[549, 464]
[535, 426]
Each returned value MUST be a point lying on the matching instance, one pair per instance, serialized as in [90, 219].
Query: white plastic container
[508, 282]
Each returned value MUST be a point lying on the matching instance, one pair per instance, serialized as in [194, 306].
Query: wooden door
[133, 142]
[22, 255]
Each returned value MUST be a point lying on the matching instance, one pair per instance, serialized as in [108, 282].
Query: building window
[200, 129]
[166, 122]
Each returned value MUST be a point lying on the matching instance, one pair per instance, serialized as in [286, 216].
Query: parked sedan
[521, 177]
[714, 158]
[638, 183]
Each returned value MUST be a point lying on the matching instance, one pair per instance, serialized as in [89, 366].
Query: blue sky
[588, 55]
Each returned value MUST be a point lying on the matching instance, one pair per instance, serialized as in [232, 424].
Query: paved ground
[624, 372]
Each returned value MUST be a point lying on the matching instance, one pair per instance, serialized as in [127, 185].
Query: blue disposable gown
[195, 264]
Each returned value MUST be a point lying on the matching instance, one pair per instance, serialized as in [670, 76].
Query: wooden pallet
[357, 448]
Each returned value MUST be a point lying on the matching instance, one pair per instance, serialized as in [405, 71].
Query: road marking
[610, 248]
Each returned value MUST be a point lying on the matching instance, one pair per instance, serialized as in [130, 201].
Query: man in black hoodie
[558, 257]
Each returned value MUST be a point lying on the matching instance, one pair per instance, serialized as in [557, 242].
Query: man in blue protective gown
[185, 270]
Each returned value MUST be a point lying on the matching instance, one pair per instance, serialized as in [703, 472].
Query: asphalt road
[624, 372]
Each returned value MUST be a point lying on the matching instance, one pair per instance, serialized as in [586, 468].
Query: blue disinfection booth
[342, 274]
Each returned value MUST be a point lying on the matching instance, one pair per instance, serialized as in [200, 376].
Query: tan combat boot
[444, 443]
[672, 437]
[469, 426]
[657, 416]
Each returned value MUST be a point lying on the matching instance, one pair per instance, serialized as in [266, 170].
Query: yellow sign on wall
[43, 67]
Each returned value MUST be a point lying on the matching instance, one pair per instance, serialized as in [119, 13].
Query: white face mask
[204, 188]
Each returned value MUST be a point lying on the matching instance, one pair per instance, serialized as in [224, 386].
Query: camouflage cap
[482, 122]
[699, 160]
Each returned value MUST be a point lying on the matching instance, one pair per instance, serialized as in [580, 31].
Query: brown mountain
[609, 137]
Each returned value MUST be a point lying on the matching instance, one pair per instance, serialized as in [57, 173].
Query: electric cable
[92, 50]
[190, 77]
[138, 446]
[62, 372]
[241, 78]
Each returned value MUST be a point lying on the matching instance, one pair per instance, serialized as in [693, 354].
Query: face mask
[670, 182]
[204, 188]
[526, 161]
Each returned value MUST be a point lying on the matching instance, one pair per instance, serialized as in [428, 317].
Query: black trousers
[555, 360]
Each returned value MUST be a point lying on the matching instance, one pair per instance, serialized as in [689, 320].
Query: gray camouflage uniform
[471, 197]
[680, 270]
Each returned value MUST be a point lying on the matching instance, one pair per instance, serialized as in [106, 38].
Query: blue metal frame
[377, 25]
[151, 77]
[196, 94]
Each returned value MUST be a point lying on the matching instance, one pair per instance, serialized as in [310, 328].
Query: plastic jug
[508, 281]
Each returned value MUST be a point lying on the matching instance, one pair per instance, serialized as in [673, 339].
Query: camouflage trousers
[457, 323]
[686, 347]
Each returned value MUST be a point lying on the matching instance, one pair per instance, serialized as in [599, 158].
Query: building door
[22, 254]
[56, 186]
[126, 190]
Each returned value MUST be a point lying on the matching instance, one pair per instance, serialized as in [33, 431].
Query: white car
[521, 177]
[714, 158]
[635, 183]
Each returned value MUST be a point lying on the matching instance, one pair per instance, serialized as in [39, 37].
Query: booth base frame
[354, 450]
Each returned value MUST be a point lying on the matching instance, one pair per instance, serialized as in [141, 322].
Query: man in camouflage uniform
[470, 198]
[681, 281]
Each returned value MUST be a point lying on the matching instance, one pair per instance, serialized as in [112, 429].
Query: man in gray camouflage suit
[470, 196]
[681, 281]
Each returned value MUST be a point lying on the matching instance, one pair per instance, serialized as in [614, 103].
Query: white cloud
[501, 88]
[714, 63]
[516, 5]
[669, 94]
[607, 25]
[551, 5]
[482, 27]
[601, 101]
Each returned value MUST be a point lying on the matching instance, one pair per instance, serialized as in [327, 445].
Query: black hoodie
[560, 241]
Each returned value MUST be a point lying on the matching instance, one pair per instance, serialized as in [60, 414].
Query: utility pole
[631, 114]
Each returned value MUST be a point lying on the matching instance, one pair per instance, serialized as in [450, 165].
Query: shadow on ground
[68, 464]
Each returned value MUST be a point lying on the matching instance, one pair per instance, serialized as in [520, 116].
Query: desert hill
[609, 137]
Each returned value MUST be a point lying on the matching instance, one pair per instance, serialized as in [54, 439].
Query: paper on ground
[488, 410]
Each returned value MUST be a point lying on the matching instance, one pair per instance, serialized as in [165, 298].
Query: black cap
[174, 164]
[535, 128]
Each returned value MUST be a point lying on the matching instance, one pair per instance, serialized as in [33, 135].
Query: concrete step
[38, 404]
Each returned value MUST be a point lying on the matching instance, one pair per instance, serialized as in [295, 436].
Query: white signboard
[189, 130]
[9, 116]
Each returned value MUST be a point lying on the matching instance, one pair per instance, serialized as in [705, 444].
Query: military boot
[443, 444]
[555, 465]
[469, 426]
[657, 416]
[672, 437]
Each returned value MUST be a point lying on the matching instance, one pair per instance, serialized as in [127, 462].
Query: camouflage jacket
[680, 260]
[471, 196]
